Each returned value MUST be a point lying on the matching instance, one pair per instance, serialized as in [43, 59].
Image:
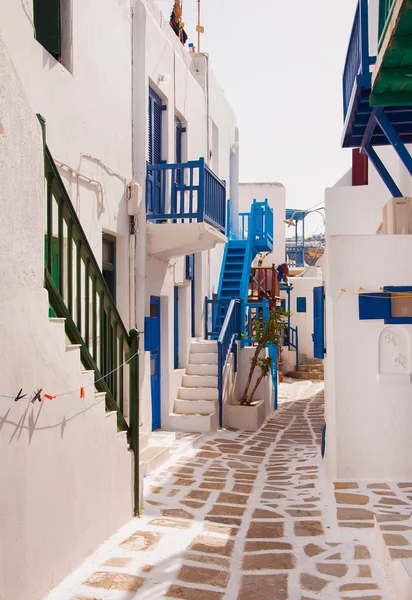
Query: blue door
[176, 327]
[155, 378]
[319, 322]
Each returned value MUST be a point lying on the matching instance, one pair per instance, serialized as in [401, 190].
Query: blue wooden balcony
[259, 223]
[185, 208]
[360, 126]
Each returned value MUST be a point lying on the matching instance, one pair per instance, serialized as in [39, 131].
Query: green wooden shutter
[47, 25]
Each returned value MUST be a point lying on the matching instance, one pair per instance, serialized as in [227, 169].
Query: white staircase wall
[66, 475]
[265, 390]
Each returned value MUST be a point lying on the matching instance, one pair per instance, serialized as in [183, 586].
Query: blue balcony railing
[185, 193]
[259, 223]
[356, 71]
[295, 255]
[215, 312]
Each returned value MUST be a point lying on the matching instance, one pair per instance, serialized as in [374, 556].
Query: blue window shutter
[319, 322]
[190, 263]
[155, 128]
[374, 306]
[283, 303]
[46, 14]
[301, 305]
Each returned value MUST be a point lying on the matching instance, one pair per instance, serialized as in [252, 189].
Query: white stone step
[201, 369]
[193, 393]
[203, 358]
[203, 346]
[198, 407]
[143, 441]
[195, 423]
[152, 458]
[200, 381]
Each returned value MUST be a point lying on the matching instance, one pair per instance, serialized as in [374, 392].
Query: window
[53, 28]
[48, 25]
[301, 305]
[109, 262]
[155, 128]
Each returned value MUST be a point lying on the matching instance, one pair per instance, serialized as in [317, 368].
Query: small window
[109, 262]
[53, 28]
[301, 305]
[47, 24]
[283, 303]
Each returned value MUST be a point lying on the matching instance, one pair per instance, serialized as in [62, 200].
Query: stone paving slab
[247, 516]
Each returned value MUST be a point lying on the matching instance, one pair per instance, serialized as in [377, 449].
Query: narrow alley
[249, 517]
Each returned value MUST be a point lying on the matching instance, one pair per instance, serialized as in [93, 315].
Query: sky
[280, 64]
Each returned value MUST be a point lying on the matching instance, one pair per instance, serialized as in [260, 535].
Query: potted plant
[248, 412]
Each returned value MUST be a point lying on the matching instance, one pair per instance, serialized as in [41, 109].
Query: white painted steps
[196, 405]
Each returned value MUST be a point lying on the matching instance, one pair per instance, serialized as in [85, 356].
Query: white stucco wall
[276, 195]
[368, 422]
[66, 475]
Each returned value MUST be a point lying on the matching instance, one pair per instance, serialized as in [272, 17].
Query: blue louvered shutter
[154, 195]
[374, 306]
[46, 15]
[319, 322]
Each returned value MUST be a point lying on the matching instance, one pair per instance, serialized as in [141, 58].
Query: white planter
[250, 418]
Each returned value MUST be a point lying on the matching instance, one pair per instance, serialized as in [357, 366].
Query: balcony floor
[358, 116]
[170, 240]
[392, 81]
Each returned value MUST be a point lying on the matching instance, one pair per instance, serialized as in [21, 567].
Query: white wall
[265, 390]
[87, 110]
[368, 422]
[66, 475]
[188, 86]
[276, 195]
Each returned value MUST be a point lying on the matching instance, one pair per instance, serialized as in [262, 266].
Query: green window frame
[47, 24]
[109, 262]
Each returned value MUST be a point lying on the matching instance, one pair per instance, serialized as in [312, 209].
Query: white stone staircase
[196, 406]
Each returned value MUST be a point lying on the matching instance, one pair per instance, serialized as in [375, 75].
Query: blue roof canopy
[298, 215]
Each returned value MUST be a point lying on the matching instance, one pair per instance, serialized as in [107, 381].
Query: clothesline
[41, 395]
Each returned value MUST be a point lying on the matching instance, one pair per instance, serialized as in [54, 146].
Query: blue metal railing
[185, 193]
[257, 225]
[293, 342]
[295, 254]
[226, 344]
[213, 310]
[356, 71]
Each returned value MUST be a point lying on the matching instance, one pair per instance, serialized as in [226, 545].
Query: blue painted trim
[176, 327]
[193, 298]
[383, 172]
[399, 147]
[323, 446]
[301, 304]
[364, 39]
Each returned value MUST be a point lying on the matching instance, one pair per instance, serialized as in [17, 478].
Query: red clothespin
[49, 396]
[82, 393]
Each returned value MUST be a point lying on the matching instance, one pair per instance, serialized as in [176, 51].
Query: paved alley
[245, 516]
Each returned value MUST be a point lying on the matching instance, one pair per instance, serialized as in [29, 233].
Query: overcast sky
[280, 64]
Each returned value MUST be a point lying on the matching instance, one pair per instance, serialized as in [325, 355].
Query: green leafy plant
[267, 332]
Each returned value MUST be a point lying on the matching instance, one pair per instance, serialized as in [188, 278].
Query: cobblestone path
[246, 516]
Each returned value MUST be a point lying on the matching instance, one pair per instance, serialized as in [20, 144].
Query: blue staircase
[256, 236]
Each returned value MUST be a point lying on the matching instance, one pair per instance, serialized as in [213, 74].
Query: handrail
[357, 58]
[212, 310]
[385, 14]
[229, 334]
[293, 342]
[185, 193]
[79, 293]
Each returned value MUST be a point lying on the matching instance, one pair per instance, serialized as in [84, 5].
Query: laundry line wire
[84, 386]
[374, 294]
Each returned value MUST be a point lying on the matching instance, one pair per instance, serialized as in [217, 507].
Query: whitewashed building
[121, 101]
[367, 272]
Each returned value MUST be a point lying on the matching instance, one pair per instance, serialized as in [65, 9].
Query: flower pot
[249, 418]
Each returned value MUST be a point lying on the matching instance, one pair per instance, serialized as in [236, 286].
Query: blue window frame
[283, 303]
[378, 306]
[301, 305]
